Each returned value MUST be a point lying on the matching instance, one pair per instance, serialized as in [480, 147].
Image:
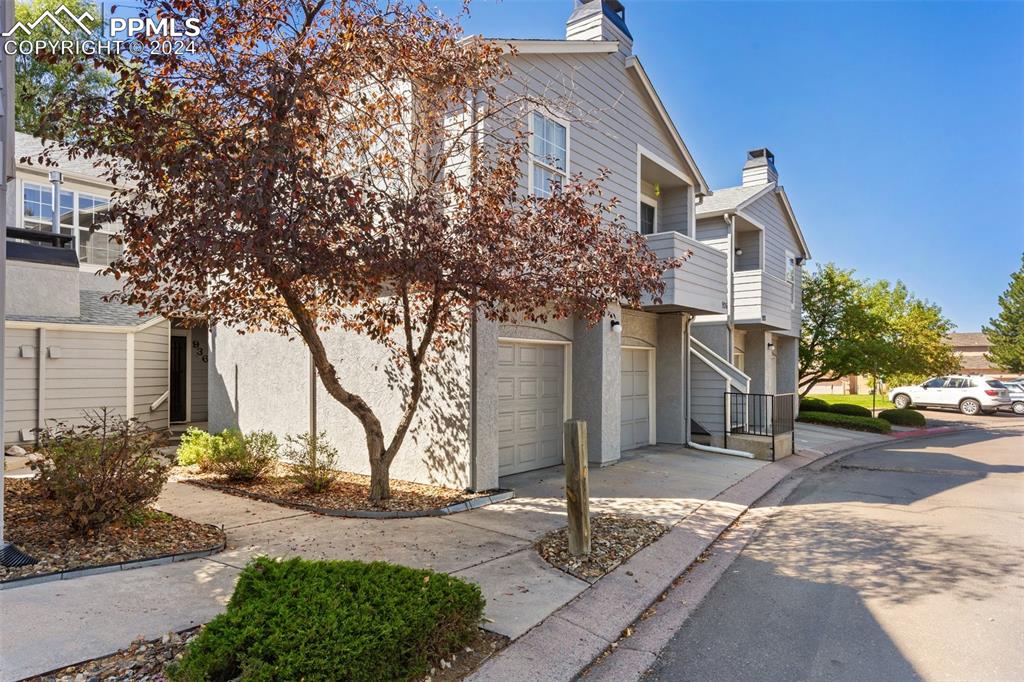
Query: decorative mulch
[613, 539]
[144, 661]
[35, 526]
[350, 492]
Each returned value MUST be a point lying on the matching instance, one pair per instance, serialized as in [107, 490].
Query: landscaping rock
[16, 451]
[614, 539]
[35, 526]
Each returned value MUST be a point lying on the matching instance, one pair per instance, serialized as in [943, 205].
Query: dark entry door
[179, 378]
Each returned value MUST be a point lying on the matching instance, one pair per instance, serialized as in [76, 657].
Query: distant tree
[346, 164]
[1006, 331]
[40, 79]
[852, 326]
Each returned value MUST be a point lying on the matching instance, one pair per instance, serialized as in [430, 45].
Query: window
[549, 155]
[648, 214]
[78, 210]
[957, 382]
[737, 360]
[37, 209]
[937, 382]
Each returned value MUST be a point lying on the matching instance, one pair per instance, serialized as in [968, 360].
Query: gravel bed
[144, 661]
[613, 539]
[349, 493]
[35, 526]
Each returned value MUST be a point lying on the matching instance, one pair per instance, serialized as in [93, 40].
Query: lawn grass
[881, 403]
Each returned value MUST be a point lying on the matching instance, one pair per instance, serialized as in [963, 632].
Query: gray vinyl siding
[750, 242]
[21, 390]
[675, 211]
[200, 365]
[610, 117]
[707, 393]
[152, 357]
[714, 232]
[778, 234]
[701, 283]
[90, 374]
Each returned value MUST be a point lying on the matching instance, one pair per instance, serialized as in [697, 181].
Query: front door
[179, 377]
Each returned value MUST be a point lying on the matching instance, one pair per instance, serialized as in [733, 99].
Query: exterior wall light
[616, 325]
[739, 252]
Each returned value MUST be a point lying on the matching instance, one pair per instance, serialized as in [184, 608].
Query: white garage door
[531, 385]
[636, 398]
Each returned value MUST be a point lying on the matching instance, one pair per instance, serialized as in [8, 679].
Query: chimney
[759, 168]
[599, 20]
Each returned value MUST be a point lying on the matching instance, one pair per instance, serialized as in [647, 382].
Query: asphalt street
[903, 562]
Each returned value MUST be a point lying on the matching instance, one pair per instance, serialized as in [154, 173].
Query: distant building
[972, 347]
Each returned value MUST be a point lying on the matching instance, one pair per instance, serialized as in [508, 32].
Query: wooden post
[577, 491]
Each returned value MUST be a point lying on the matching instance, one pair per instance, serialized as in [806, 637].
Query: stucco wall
[262, 381]
[40, 289]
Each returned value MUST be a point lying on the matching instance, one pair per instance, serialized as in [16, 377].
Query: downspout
[474, 384]
[686, 384]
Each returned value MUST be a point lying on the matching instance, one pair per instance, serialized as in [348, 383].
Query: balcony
[762, 300]
[700, 286]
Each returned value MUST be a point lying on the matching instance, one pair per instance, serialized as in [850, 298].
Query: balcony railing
[762, 299]
[700, 286]
[761, 414]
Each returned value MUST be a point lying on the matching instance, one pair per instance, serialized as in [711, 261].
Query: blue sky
[898, 128]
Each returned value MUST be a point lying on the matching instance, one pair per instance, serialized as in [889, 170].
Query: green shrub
[197, 447]
[902, 417]
[847, 408]
[244, 458]
[813, 405]
[314, 461]
[101, 471]
[333, 620]
[845, 421]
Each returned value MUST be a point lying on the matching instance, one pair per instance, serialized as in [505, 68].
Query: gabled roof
[26, 145]
[633, 63]
[94, 311]
[730, 199]
[735, 199]
[554, 46]
[968, 339]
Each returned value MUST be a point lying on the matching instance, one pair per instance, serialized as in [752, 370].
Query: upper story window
[648, 216]
[79, 214]
[548, 154]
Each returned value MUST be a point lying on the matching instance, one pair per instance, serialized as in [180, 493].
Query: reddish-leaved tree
[326, 164]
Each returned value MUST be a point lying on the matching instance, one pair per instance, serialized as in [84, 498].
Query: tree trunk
[380, 481]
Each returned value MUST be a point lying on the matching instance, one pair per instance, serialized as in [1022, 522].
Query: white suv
[969, 394]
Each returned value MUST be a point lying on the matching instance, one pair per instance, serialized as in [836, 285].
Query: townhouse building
[495, 407]
[67, 350]
[728, 321]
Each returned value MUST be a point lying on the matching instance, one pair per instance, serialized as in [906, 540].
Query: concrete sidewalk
[49, 625]
[565, 643]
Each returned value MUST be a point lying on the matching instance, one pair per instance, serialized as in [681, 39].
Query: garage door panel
[526, 421]
[506, 388]
[635, 427]
[527, 388]
[531, 438]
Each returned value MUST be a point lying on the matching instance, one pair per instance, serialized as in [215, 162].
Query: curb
[500, 495]
[569, 640]
[162, 560]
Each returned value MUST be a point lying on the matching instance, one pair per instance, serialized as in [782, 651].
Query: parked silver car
[1016, 389]
[969, 394]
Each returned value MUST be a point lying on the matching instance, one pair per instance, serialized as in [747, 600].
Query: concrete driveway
[903, 562]
[53, 624]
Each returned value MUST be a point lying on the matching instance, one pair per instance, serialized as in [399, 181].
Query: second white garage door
[531, 398]
[636, 398]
